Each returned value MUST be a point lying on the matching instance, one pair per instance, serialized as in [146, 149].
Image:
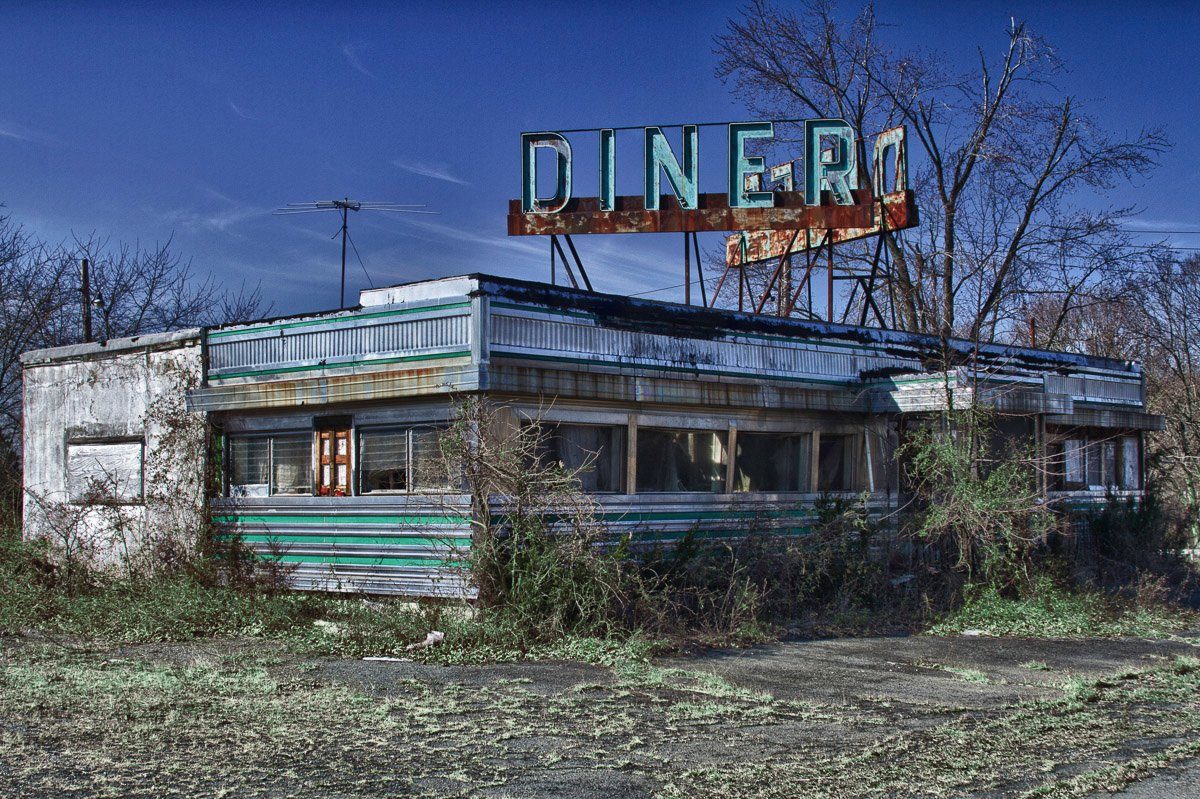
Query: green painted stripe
[428, 563]
[372, 540]
[344, 364]
[335, 519]
[332, 320]
[661, 368]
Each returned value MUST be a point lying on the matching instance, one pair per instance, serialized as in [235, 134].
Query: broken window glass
[772, 462]
[680, 460]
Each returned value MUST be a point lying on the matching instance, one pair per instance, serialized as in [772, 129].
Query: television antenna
[344, 206]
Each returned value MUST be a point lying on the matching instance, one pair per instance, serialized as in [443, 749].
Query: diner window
[839, 462]
[268, 465]
[775, 462]
[1074, 462]
[1094, 464]
[1112, 476]
[1130, 455]
[596, 453]
[680, 460]
[398, 459]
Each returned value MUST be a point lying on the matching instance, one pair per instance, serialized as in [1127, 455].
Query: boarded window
[772, 462]
[839, 463]
[680, 460]
[105, 472]
[595, 452]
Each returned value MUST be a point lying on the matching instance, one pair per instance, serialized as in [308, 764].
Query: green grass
[184, 608]
[1047, 610]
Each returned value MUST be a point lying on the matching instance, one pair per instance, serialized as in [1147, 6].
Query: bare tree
[136, 290]
[1001, 162]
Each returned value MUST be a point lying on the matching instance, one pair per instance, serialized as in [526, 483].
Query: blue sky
[143, 121]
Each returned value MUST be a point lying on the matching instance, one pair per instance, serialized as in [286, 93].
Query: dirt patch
[915, 716]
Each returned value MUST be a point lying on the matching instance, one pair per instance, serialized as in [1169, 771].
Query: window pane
[429, 469]
[1111, 478]
[1129, 463]
[680, 460]
[1095, 464]
[1073, 472]
[596, 451]
[838, 464]
[772, 462]
[291, 458]
[249, 461]
[383, 460]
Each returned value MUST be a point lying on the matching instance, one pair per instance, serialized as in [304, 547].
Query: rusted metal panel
[342, 386]
[751, 246]
[630, 215]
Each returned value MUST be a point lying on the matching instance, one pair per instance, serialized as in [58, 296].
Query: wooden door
[333, 463]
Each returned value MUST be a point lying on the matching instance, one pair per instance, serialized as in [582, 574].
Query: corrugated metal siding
[349, 340]
[415, 546]
[516, 334]
[1096, 389]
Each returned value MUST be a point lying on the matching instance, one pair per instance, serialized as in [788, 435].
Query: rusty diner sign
[829, 164]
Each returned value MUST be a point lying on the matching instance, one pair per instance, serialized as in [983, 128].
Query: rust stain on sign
[752, 245]
[630, 215]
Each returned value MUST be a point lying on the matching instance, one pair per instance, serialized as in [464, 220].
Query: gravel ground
[904, 716]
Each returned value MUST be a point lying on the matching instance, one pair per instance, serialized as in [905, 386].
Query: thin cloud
[430, 169]
[16, 132]
[235, 108]
[350, 51]
[1158, 225]
[7, 132]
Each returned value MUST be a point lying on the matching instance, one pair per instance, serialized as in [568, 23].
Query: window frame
[270, 437]
[620, 431]
[720, 484]
[410, 430]
[138, 499]
[806, 478]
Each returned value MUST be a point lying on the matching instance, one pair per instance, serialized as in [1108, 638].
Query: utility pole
[345, 206]
[85, 299]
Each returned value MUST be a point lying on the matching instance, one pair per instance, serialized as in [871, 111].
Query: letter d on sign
[530, 202]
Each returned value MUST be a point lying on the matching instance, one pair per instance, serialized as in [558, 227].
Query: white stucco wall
[89, 407]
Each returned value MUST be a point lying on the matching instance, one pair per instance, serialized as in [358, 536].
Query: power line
[360, 261]
[344, 206]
